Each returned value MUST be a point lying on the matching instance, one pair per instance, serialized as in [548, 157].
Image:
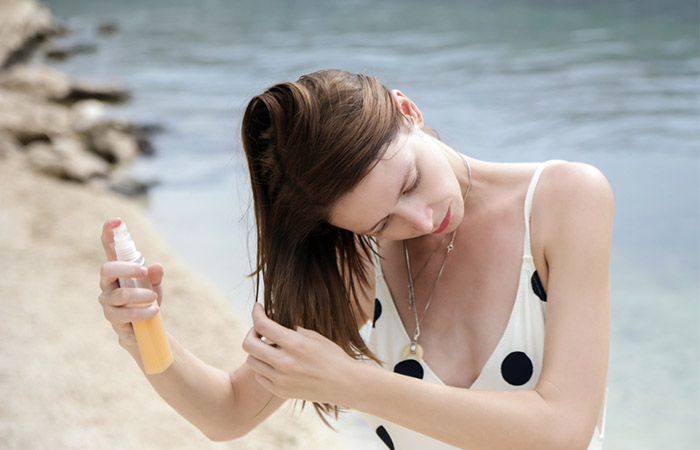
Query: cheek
[440, 178]
[440, 187]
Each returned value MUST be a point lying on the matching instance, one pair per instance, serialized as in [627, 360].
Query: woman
[405, 281]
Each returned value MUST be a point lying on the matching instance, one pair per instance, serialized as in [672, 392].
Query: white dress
[516, 362]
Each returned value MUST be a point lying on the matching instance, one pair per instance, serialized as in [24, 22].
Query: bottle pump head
[124, 245]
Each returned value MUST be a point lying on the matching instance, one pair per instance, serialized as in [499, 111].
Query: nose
[421, 219]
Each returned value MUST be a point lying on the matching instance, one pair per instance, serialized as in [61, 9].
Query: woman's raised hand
[299, 364]
[122, 306]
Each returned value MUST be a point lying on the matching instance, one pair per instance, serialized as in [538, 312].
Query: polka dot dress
[515, 363]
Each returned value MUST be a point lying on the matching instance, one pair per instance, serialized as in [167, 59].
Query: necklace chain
[411, 289]
[420, 272]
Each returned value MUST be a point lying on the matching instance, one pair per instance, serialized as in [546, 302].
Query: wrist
[133, 350]
[354, 378]
[130, 344]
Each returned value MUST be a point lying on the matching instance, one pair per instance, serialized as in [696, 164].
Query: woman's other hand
[299, 364]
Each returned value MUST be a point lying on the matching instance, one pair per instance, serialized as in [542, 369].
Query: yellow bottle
[150, 334]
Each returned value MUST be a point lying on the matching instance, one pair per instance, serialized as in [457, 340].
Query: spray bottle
[150, 334]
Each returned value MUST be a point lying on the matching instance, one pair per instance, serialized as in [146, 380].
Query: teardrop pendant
[413, 349]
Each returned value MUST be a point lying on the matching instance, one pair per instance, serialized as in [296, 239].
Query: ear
[406, 106]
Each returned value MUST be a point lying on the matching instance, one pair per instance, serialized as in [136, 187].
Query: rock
[56, 125]
[36, 80]
[143, 134]
[107, 28]
[44, 81]
[87, 114]
[106, 92]
[121, 182]
[41, 156]
[9, 147]
[24, 24]
[60, 54]
[29, 118]
[66, 157]
[113, 142]
[129, 186]
[59, 28]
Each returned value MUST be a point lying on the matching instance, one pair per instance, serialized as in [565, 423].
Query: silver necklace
[430, 258]
[414, 348]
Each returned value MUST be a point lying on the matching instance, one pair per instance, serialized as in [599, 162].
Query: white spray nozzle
[123, 244]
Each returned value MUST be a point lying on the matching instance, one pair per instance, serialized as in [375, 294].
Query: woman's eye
[383, 227]
[414, 185]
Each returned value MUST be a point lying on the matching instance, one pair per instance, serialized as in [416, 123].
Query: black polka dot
[537, 287]
[384, 436]
[377, 311]
[516, 368]
[409, 367]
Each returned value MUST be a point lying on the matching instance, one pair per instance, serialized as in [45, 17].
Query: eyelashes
[415, 184]
[412, 188]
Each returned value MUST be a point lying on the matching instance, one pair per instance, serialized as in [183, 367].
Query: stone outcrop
[23, 26]
[55, 124]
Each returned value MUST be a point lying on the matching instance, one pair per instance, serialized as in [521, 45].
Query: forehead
[375, 195]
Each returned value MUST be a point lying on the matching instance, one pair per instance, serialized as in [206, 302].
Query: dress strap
[528, 202]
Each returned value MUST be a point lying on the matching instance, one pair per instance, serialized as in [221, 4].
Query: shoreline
[63, 376]
[65, 381]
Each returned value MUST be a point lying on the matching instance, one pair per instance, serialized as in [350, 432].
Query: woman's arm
[560, 412]
[223, 406]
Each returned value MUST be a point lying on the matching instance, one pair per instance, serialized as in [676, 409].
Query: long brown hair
[307, 144]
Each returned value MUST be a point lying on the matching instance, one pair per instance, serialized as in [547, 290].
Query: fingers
[260, 367]
[122, 315]
[113, 270]
[108, 237]
[263, 359]
[254, 345]
[155, 274]
[121, 306]
[132, 297]
[271, 330]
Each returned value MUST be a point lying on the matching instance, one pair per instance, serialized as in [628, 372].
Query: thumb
[155, 274]
[258, 312]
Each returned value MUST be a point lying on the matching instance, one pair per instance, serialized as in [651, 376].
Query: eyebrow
[398, 196]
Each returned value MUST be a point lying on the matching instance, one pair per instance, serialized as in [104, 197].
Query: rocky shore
[64, 381]
[54, 124]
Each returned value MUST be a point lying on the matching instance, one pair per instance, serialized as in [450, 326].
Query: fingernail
[144, 271]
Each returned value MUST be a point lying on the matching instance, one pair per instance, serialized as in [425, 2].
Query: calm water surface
[611, 85]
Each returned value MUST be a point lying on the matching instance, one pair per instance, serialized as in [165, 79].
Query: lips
[445, 222]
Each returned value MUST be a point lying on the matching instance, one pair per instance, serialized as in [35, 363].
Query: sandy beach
[64, 380]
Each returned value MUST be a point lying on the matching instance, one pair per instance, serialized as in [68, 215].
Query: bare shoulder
[574, 188]
[573, 206]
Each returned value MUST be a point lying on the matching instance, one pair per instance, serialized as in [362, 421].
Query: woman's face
[413, 190]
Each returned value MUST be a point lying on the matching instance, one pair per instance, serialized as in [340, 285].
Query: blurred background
[613, 84]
